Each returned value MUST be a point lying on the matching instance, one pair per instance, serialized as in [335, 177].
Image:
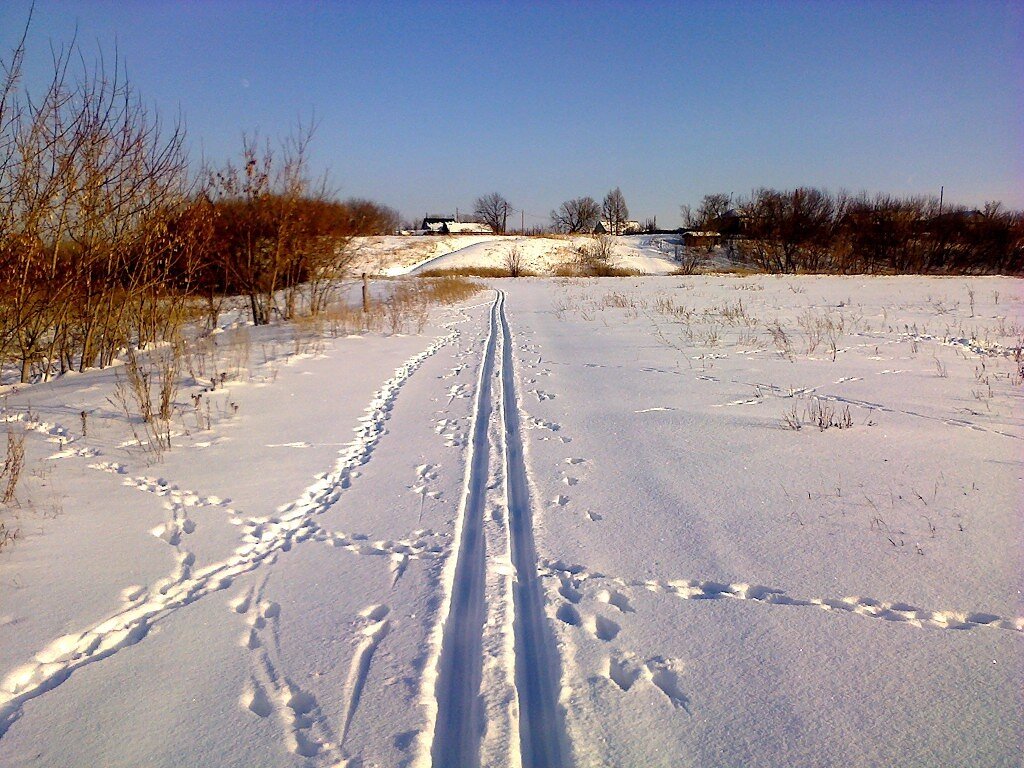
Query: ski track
[536, 668]
[459, 723]
[457, 726]
[571, 576]
[263, 540]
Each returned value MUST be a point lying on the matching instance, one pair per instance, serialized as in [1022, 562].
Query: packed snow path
[460, 721]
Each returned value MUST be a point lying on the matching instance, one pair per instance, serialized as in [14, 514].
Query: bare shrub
[782, 340]
[7, 535]
[593, 258]
[146, 392]
[690, 260]
[825, 416]
[514, 261]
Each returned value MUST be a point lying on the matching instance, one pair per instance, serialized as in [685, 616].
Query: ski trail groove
[536, 668]
[458, 724]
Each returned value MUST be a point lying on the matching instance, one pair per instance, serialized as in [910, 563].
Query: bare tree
[493, 209]
[790, 230]
[615, 211]
[580, 214]
[709, 213]
[257, 207]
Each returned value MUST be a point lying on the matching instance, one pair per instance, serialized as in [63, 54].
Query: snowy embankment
[393, 255]
[657, 521]
[400, 255]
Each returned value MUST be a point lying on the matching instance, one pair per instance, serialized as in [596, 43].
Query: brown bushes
[811, 230]
[106, 237]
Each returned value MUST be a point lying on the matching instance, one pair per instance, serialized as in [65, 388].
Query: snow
[396, 255]
[393, 255]
[570, 524]
[542, 255]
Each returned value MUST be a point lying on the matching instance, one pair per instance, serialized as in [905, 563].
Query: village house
[697, 239]
[447, 225]
[605, 227]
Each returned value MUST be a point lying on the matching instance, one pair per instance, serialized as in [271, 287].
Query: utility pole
[942, 190]
[522, 222]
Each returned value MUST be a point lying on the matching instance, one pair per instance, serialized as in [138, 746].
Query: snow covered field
[665, 521]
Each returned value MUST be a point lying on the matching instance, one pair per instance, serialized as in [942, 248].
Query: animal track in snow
[113, 467]
[67, 453]
[459, 392]
[623, 671]
[53, 432]
[696, 589]
[665, 675]
[568, 614]
[603, 628]
[270, 691]
[425, 474]
[615, 599]
[535, 423]
[264, 541]
[374, 627]
[745, 401]
[424, 544]
[451, 432]
[567, 589]
[455, 371]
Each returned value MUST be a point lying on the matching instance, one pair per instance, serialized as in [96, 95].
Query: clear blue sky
[426, 106]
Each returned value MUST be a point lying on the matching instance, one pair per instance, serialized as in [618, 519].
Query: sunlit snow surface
[771, 521]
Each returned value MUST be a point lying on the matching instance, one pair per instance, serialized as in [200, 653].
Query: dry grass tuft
[14, 462]
[488, 272]
[405, 309]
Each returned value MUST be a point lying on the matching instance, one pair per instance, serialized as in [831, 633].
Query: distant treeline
[812, 230]
[108, 238]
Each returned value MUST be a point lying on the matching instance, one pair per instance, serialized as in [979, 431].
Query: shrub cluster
[108, 237]
[812, 230]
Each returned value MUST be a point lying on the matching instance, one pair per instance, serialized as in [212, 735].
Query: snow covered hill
[398, 255]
